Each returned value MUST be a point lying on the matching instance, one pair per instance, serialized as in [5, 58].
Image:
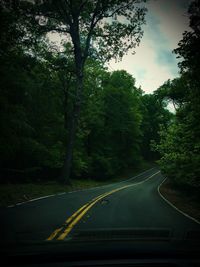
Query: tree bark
[79, 65]
[73, 123]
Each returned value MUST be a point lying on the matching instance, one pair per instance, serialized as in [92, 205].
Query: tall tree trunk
[79, 65]
[65, 88]
[73, 123]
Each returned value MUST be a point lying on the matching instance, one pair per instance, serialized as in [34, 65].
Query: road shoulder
[186, 204]
[12, 194]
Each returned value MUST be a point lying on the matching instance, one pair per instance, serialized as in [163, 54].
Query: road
[134, 203]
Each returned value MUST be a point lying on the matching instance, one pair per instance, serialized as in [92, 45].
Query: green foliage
[109, 133]
[179, 147]
[155, 115]
[180, 155]
[113, 23]
[38, 92]
[30, 115]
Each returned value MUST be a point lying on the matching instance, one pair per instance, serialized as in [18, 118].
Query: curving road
[134, 203]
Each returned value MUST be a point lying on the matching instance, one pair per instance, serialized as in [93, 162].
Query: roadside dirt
[188, 203]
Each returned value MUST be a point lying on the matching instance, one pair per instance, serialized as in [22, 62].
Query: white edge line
[30, 200]
[10, 206]
[102, 186]
[183, 213]
[134, 177]
[38, 198]
[62, 193]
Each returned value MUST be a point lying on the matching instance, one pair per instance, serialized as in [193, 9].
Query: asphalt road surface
[134, 203]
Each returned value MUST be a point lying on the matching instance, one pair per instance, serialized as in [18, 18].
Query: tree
[114, 23]
[154, 116]
[31, 114]
[109, 135]
[179, 147]
[122, 122]
[173, 91]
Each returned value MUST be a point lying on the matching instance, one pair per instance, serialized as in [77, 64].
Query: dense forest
[62, 114]
[179, 146]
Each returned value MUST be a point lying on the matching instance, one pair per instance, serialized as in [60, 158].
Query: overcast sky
[154, 62]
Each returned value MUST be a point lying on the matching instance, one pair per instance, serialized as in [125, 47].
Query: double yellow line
[62, 232]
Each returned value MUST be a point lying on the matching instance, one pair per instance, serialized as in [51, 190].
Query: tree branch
[81, 6]
[60, 30]
[118, 9]
[92, 25]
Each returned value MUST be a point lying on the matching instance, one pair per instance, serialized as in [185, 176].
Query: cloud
[154, 62]
[141, 73]
[145, 67]
[164, 57]
[173, 18]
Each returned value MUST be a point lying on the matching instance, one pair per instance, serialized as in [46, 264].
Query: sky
[154, 62]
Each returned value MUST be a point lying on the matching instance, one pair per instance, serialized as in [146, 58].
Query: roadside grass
[14, 193]
[11, 194]
[185, 201]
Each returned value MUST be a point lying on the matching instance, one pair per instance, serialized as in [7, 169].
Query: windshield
[99, 120]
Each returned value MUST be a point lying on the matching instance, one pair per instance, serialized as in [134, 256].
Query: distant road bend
[134, 203]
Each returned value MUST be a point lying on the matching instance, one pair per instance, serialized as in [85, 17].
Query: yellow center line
[76, 217]
[55, 233]
[81, 208]
[75, 213]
